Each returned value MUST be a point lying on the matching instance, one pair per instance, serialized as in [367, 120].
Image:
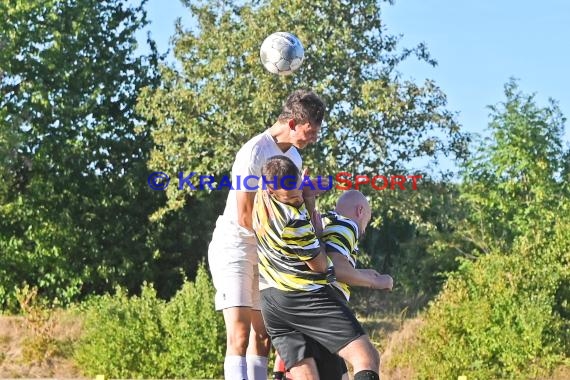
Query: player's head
[282, 180]
[354, 205]
[304, 112]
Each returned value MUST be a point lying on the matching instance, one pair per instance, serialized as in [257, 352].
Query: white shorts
[232, 257]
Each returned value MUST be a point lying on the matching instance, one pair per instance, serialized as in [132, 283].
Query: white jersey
[232, 253]
[248, 162]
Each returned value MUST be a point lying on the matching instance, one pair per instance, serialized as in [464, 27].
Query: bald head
[353, 204]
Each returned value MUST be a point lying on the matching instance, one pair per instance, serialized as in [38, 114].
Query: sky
[479, 45]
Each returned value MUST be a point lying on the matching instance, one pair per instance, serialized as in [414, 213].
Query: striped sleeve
[341, 237]
[299, 235]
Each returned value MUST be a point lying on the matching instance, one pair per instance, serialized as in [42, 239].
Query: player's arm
[245, 208]
[347, 274]
[247, 168]
[314, 215]
[319, 263]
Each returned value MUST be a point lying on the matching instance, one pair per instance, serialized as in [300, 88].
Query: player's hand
[385, 281]
[319, 186]
[379, 281]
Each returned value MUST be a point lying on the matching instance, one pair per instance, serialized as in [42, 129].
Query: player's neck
[280, 133]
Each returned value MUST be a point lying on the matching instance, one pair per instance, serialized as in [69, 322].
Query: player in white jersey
[232, 252]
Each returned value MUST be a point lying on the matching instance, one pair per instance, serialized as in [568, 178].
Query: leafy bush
[500, 317]
[196, 332]
[133, 337]
[123, 337]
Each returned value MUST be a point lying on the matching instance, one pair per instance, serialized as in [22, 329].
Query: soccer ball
[282, 53]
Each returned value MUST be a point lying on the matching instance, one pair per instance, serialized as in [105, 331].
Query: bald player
[343, 229]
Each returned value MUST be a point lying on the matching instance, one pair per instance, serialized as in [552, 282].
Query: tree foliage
[219, 95]
[516, 178]
[73, 214]
[419, 254]
[506, 314]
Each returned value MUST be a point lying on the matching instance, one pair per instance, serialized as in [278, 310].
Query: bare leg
[362, 355]
[238, 322]
[259, 342]
[257, 349]
[306, 369]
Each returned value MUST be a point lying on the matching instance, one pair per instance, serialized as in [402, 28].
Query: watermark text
[341, 181]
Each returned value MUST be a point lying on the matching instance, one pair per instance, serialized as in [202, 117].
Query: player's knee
[237, 340]
[260, 336]
[263, 341]
[260, 344]
[375, 358]
[260, 339]
[306, 369]
[370, 360]
[362, 354]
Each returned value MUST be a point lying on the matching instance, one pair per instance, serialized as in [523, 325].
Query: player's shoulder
[333, 220]
[295, 156]
[257, 142]
[332, 217]
[293, 153]
[251, 153]
[260, 146]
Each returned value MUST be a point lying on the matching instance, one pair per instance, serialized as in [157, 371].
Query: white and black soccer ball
[282, 53]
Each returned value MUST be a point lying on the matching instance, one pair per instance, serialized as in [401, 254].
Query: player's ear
[292, 124]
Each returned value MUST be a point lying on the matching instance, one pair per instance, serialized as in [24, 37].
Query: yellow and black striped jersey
[340, 234]
[285, 241]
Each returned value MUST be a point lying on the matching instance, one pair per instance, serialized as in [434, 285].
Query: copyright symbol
[158, 181]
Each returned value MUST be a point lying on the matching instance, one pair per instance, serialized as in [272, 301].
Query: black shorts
[291, 317]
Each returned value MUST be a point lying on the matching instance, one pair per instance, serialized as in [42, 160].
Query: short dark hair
[303, 106]
[282, 171]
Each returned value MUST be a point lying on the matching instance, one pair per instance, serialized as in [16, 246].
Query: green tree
[505, 314]
[516, 178]
[74, 201]
[219, 95]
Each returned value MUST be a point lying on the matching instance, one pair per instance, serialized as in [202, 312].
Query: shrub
[123, 337]
[41, 343]
[134, 337]
[196, 332]
[499, 317]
